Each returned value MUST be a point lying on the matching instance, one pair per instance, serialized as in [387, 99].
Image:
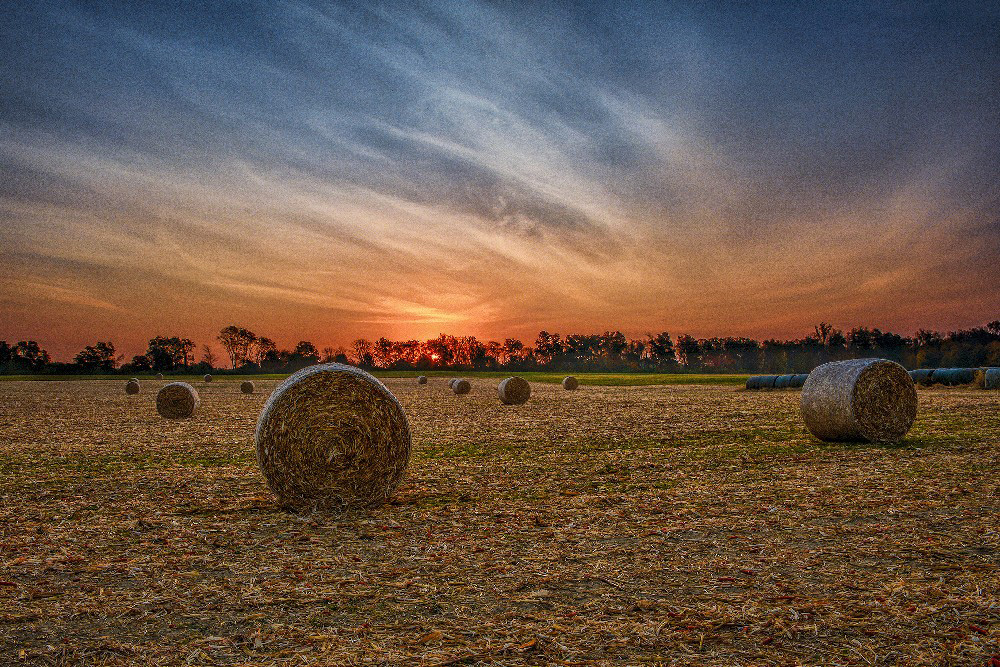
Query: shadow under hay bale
[421, 379]
[132, 386]
[514, 391]
[461, 386]
[570, 383]
[332, 436]
[177, 400]
[246, 387]
[860, 399]
[991, 378]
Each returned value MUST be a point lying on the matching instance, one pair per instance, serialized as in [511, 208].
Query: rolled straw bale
[514, 390]
[570, 383]
[332, 436]
[859, 399]
[246, 387]
[991, 378]
[461, 386]
[132, 386]
[207, 378]
[177, 400]
[782, 381]
[979, 377]
[159, 376]
[421, 379]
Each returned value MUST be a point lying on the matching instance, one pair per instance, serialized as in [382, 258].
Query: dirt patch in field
[692, 525]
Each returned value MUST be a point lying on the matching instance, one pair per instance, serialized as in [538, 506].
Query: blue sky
[496, 168]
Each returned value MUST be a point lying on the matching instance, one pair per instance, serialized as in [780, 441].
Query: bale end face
[246, 387]
[860, 399]
[570, 383]
[207, 378]
[461, 386]
[421, 379]
[132, 386]
[514, 391]
[332, 436]
[177, 400]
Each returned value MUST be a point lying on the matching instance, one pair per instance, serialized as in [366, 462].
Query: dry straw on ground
[332, 436]
[132, 386]
[514, 391]
[208, 377]
[461, 386]
[570, 383]
[421, 379]
[859, 399]
[177, 400]
[246, 387]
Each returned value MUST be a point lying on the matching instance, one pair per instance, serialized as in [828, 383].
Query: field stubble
[695, 525]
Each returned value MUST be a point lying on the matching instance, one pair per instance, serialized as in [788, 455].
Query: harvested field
[682, 524]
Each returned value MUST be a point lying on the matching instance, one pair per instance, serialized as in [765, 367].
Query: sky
[327, 171]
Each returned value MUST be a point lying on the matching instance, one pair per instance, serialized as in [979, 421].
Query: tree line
[610, 351]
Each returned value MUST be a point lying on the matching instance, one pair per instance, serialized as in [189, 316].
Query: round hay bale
[766, 381]
[461, 386]
[859, 399]
[332, 436]
[421, 379]
[207, 378]
[782, 381]
[177, 400]
[132, 386]
[246, 387]
[514, 391]
[570, 383]
[965, 375]
[159, 376]
[920, 375]
[451, 383]
[753, 382]
[991, 378]
[798, 380]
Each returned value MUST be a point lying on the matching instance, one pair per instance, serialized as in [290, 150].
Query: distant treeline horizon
[611, 351]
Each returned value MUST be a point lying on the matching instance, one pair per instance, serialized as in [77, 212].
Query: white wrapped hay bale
[782, 381]
[991, 378]
[514, 391]
[177, 400]
[461, 386]
[332, 436]
[570, 383]
[132, 386]
[421, 379]
[859, 399]
[207, 378]
[246, 387]
[761, 381]
[798, 380]
[159, 376]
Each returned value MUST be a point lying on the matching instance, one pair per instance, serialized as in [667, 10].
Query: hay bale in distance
[332, 436]
[208, 377]
[451, 383]
[514, 391]
[798, 380]
[859, 399]
[991, 378]
[570, 383]
[177, 400]
[421, 379]
[159, 376]
[964, 376]
[782, 381]
[761, 382]
[132, 386]
[921, 376]
[461, 386]
[246, 387]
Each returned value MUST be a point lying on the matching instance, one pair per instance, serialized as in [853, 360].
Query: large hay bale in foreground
[798, 380]
[207, 378]
[991, 378]
[461, 386]
[132, 386]
[859, 399]
[421, 379]
[246, 387]
[514, 391]
[570, 383]
[332, 436]
[177, 400]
